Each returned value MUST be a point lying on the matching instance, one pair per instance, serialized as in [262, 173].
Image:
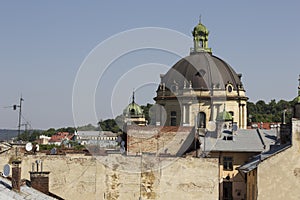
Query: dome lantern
[200, 34]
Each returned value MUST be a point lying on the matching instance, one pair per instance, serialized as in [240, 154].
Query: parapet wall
[279, 176]
[126, 177]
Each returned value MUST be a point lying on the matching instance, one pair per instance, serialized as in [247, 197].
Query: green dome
[224, 116]
[200, 34]
[133, 109]
[200, 28]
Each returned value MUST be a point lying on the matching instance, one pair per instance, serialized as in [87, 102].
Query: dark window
[227, 163]
[173, 118]
[227, 190]
[132, 111]
[201, 120]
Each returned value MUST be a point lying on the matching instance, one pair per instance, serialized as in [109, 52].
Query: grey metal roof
[244, 140]
[202, 69]
[269, 137]
[6, 193]
[261, 157]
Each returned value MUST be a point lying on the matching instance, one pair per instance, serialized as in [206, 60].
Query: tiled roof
[58, 137]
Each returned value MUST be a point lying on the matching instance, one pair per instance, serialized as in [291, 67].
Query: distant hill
[7, 134]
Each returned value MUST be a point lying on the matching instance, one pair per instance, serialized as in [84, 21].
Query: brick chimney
[39, 179]
[16, 175]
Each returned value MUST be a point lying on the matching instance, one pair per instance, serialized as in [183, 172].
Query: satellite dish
[211, 126]
[6, 170]
[37, 147]
[28, 146]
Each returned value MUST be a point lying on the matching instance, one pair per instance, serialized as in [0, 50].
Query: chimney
[39, 179]
[16, 175]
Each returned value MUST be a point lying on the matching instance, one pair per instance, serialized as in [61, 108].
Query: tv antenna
[20, 113]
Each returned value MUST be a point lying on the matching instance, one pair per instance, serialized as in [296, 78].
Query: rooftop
[243, 140]
[261, 157]
[26, 192]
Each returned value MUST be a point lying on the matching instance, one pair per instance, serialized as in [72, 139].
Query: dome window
[132, 112]
[229, 88]
[200, 73]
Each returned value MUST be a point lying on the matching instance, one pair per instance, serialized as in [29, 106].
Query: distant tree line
[270, 112]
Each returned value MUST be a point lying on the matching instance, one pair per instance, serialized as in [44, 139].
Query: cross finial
[133, 96]
[200, 19]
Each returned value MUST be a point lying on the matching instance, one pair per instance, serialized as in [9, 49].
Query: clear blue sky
[43, 44]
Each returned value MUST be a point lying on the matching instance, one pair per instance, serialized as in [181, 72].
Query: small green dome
[200, 30]
[200, 34]
[133, 109]
[224, 116]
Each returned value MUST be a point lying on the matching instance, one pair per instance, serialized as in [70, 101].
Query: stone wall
[279, 176]
[126, 177]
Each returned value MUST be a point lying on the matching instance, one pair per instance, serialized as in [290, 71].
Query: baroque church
[200, 88]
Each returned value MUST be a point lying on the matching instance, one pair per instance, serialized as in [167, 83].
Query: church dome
[133, 109]
[200, 28]
[202, 71]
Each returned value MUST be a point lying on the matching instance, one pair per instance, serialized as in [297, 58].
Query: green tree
[34, 135]
[146, 109]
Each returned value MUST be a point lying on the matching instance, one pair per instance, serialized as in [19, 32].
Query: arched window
[201, 119]
[132, 111]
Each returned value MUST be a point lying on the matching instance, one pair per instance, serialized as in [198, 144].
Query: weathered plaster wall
[279, 175]
[118, 177]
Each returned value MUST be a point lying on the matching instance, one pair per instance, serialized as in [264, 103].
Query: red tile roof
[58, 137]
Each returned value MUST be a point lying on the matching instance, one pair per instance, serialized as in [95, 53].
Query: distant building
[59, 137]
[104, 139]
[265, 125]
[134, 114]
[43, 139]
